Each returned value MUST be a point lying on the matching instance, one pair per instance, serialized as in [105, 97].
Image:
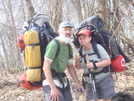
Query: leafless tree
[55, 13]
[29, 8]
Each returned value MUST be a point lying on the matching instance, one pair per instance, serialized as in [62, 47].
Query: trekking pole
[92, 79]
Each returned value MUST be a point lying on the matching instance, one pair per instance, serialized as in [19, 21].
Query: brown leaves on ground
[124, 81]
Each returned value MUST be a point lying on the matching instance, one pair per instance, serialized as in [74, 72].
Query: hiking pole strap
[95, 67]
[92, 81]
[84, 81]
[92, 78]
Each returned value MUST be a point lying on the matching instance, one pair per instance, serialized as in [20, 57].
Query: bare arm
[48, 75]
[74, 76]
[77, 62]
[73, 73]
[104, 63]
[100, 64]
[54, 96]
[77, 65]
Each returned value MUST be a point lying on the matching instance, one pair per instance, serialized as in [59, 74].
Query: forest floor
[11, 91]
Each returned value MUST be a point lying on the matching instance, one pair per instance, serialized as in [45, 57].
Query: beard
[65, 39]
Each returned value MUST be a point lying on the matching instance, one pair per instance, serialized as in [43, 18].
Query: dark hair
[121, 96]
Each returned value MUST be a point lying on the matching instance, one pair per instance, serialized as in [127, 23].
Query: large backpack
[38, 33]
[100, 36]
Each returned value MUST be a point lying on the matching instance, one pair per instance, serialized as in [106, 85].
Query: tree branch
[9, 82]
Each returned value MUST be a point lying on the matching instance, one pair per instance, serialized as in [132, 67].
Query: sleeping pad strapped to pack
[38, 33]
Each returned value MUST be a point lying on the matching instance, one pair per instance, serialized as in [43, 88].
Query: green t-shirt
[60, 62]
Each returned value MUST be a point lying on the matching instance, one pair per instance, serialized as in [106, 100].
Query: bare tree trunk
[116, 15]
[103, 11]
[12, 50]
[88, 8]
[23, 15]
[117, 20]
[29, 8]
[130, 43]
[4, 57]
[11, 21]
[13, 35]
[77, 5]
[55, 13]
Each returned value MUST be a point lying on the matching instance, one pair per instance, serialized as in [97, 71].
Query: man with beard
[56, 85]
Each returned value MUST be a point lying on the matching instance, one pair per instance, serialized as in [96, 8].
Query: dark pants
[65, 93]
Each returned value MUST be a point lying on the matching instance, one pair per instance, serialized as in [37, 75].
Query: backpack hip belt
[104, 70]
[60, 77]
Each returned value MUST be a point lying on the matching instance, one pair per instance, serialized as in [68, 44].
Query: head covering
[65, 24]
[84, 32]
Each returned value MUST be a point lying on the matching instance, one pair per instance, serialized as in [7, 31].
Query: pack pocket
[32, 56]
[33, 75]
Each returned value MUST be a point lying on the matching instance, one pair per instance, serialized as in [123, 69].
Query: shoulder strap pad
[94, 45]
[58, 47]
[69, 47]
[80, 51]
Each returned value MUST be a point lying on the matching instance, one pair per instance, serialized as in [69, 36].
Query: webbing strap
[60, 76]
[95, 67]
[69, 46]
[104, 70]
[58, 47]
[33, 67]
[80, 52]
[94, 45]
[33, 44]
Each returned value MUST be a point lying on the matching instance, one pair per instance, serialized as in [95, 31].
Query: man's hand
[54, 94]
[80, 88]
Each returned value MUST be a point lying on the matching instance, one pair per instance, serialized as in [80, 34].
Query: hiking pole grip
[92, 78]
[87, 61]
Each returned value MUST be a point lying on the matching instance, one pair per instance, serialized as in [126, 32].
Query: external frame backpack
[37, 34]
[100, 36]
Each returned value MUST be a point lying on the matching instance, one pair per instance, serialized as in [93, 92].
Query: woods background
[118, 16]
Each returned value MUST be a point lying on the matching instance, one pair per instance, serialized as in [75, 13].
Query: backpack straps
[69, 47]
[59, 76]
[58, 47]
[95, 49]
[80, 51]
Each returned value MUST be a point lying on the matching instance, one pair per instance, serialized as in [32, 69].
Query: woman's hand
[90, 65]
[77, 58]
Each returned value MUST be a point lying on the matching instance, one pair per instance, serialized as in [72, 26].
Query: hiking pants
[65, 94]
[105, 89]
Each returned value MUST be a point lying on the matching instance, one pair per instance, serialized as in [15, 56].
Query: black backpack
[40, 24]
[99, 36]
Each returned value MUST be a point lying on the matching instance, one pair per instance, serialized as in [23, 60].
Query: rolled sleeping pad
[26, 84]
